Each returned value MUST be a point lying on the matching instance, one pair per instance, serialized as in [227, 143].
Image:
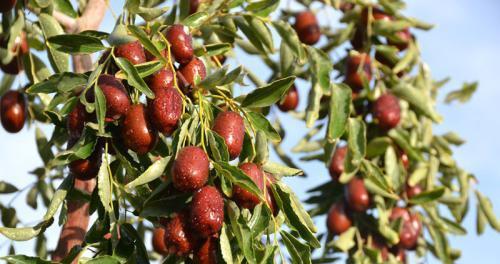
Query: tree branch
[73, 232]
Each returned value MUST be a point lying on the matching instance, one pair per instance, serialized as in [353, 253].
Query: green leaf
[103, 260]
[213, 49]
[464, 94]
[261, 123]
[59, 82]
[418, 99]
[281, 170]
[154, 171]
[100, 101]
[6, 83]
[6, 188]
[120, 36]
[480, 220]
[58, 198]
[263, 8]
[427, 196]
[43, 146]
[340, 103]
[195, 20]
[345, 241]
[133, 77]
[218, 147]
[402, 140]
[300, 252]
[50, 28]
[288, 36]
[487, 209]
[269, 94]
[65, 7]
[104, 187]
[22, 259]
[261, 148]
[145, 41]
[150, 14]
[238, 177]
[76, 44]
[225, 245]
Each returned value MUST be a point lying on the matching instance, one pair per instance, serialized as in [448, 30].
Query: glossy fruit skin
[230, 126]
[307, 27]
[357, 197]
[117, 99]
[291, 100]
[338, 220]
[354, 78]
[20, 48]
[178, 238]
[181, 43]
[161, 80]
[158, 241]
[13, 111]
[404, 39]
[243, 197]
[165, 110]
[412, 191]
[193, 68]
[410, 229]
[193, 6]
[387, 111]
[137, 133]
[207, 211]
[190, 169]
[75, 121]
[87, 169]
[132, 51]
[207, 252]
[7, 5]
[337, 163]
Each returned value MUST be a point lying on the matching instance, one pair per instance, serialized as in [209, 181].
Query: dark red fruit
[190, 169]
[158, 241]
[132, 51]
[337, 163]
[192, 69]
[87, 169]
[345, 6]
[243, 197]
[19, 48]
[165, 110]
[291, 100]
[193, 6]
[117, 99]
[207, 211]
[358, 67]
[230, 126]
[137, 133]
[378, 244]
[181, 43]
[404, 159]
[402, 39]
[357, 197]
[412, 191]
[338, 221]
[7, 5]
[178, 239]
[307, 27]
[399, 253]
[207, 252]
[161, 80]
[410, 229]
[13, 111]
[387, 111]
[76, 120]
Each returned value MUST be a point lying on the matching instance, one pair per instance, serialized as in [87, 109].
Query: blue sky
[463, 46]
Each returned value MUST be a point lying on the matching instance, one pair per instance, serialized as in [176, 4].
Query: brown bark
[74, 230]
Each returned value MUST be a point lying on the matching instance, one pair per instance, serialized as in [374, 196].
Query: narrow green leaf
[133, 77]
[154, 171]
[340, 103]
[76, 44]
[261, 123]
[269, 94]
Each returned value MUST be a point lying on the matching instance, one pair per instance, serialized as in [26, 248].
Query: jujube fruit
[380, 245]
[337, 163]
[207, 211]
[132, 51]
[229, 125]
[291, 100]
[165, 110]
[137, 133]
[194, 68]
[161, 80]
[243, 197]
[307, 27]
[117, 99]
[193, 6]
[377, 14]
[19, 49]
[410, 229]
[387, 111]
[190, 169]
[358, 68]
[181, 43]
[86, 169]
[412, 191]
[7, 5]
[178, 237]
[158, 241]
[357, 197]
[13, 111]
[75, 121]
[207, 252]
[270, 200]
[338, 220]
[401, 40]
